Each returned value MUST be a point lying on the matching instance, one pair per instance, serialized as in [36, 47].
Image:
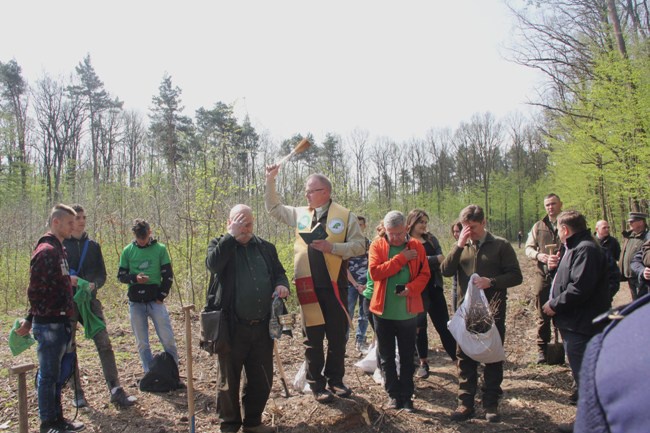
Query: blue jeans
[575, 345]
[362, 327]
[140, 312]
[52, 340]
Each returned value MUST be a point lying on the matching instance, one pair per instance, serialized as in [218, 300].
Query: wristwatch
[493, 283]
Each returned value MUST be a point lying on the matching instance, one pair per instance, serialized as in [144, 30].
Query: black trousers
[492, 374]
[334, 329]
[397, 386]
[542, 290]
[435, 305]
[252, 350]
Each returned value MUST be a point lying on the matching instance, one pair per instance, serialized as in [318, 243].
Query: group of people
[396, 280]
[62, 259]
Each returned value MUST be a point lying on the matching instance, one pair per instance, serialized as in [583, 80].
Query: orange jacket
[381, 268]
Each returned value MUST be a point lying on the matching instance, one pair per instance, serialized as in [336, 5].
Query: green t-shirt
[147, 260]
[395, 306]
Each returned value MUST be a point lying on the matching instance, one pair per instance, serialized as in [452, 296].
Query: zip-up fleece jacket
[93, 268]
[381, 268]
[581, 287]
[50, 288]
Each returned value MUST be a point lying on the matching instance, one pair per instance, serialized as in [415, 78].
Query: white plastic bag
[486, 347]
[369, 363]
[300, 381]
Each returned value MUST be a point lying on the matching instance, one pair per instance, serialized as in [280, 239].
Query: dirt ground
[535, 397]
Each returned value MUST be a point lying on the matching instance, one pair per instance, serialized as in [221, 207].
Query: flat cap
[636, 216]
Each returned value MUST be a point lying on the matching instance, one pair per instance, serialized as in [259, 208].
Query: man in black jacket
[249, 274]
[580, 290]
[87, 262]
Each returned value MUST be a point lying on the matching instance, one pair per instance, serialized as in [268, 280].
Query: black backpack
[162, 375]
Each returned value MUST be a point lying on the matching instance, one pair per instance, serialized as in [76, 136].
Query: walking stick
[20, 371]
[283, 378]
[190, 378]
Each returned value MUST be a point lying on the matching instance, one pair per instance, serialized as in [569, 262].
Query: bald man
[606, 241]
[248, 274]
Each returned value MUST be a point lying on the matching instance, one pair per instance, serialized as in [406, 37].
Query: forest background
[70, 140]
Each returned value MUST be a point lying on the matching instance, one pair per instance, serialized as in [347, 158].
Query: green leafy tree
[97, 102]
[13, 90]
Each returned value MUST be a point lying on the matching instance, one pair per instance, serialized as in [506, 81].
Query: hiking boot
[258, 429]
[565, 427]
[541, 358]
[462, 413]
[323, 396]
[79, 400]
[407, 405]
[67, 425]
[47, 427]
[120, 398]
[340, 390]
[492, 414]
[422, 371]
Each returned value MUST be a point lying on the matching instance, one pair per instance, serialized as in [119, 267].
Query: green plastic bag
[19, 344]
[92, 323]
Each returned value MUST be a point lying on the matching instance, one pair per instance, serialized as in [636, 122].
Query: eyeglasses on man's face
[311, 191]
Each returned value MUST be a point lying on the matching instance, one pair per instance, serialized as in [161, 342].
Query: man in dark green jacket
[495, 262]
[248, 274]
[634, 239]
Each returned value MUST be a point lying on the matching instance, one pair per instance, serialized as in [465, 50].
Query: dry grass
[535, 399]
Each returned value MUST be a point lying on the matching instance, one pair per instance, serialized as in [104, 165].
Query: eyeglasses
[311, 191]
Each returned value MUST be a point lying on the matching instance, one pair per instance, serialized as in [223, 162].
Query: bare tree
[358, 144]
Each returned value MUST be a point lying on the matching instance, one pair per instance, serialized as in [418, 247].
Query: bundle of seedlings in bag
[479, 318]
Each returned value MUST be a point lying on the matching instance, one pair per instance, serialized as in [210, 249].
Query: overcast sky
[395, 69]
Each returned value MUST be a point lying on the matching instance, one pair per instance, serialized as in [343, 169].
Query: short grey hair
[324, 180]
[394, 218]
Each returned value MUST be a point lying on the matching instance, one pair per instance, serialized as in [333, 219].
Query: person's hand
[360, 288]
[142, 278]
[404, 292]
[240, 228]
[464, 236]
[25, 327]
[322, 245]
[158, 301]
[272, 171]
[74, 280]
[646, 273]
[548, 310]
[282, 291]
[482, 282]
[553, 260]
[409, 254]
[542, 257]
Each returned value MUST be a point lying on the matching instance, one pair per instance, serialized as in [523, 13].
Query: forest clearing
[536, 397]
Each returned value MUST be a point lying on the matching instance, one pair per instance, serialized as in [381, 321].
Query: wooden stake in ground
[300, 148]
[283, 377]
[23, 417]
[190, 378]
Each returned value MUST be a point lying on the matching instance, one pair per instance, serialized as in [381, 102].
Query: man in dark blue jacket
[580, 289]
[87, 262]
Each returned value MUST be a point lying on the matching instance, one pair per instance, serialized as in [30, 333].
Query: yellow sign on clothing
[336, 227]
